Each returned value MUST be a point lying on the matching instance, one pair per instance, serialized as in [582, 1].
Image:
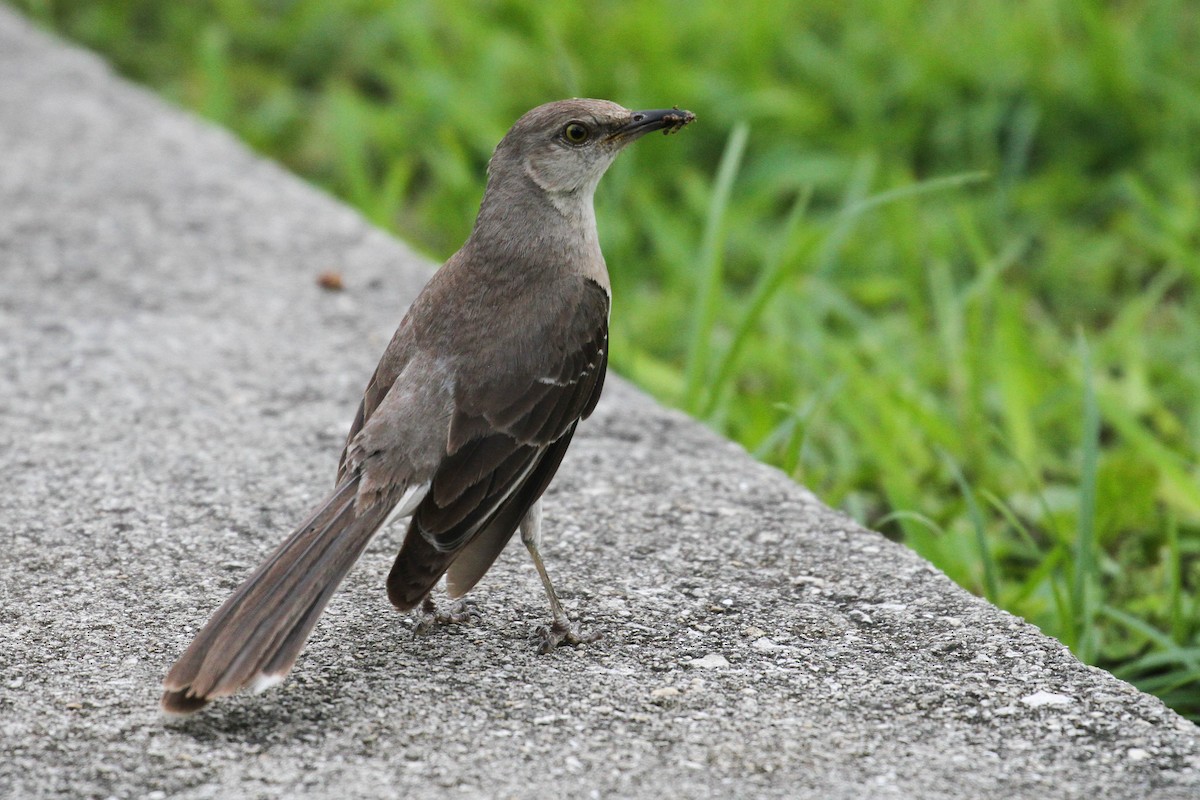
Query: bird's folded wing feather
[503, 424]
[394, 359]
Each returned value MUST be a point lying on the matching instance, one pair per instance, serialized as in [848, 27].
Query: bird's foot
[461, 612]
[560, 633]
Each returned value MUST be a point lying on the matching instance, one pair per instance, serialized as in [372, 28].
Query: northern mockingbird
[468, 414]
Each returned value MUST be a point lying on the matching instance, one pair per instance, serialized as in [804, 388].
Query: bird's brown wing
[390, 365]
[507, 437]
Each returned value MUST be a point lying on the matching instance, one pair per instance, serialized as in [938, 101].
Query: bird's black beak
[667, 120]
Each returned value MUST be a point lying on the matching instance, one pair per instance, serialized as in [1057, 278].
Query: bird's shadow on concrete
[248, 720]
[325, 693]
[315, 700]
[306, 708]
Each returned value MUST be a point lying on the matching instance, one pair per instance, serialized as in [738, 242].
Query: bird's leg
[562, 630]
[460, 612]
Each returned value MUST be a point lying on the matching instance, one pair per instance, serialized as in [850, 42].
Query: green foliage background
[937, 260]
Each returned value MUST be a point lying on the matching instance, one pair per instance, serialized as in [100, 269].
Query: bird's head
[566, 146]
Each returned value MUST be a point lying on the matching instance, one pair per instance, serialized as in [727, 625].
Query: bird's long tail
[253, 640]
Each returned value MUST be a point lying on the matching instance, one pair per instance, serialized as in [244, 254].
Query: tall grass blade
[708, 292]
[776, 270]
[991, 584]
[1085, 566]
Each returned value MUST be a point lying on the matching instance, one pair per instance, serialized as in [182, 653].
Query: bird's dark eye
[576, 132]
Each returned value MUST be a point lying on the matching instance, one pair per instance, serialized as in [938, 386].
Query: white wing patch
[575, 378]
[409, 501]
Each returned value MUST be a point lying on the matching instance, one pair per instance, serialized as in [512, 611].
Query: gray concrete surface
[174, 388]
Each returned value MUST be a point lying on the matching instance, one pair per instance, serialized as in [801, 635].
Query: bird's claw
[558, 633]
[461, 612]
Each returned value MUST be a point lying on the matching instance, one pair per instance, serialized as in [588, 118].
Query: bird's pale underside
[468, 414]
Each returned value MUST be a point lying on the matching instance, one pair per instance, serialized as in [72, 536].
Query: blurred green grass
[937, 260]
